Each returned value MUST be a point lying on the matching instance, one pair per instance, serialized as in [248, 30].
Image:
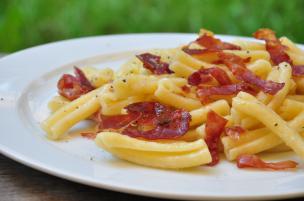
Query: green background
[25, 23]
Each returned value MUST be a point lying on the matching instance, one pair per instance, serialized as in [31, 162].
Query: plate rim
[32, 163]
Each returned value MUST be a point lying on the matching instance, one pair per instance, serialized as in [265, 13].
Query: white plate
[28, 80]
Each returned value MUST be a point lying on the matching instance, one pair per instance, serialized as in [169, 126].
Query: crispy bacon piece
[238, 68]
[117, 121]
[72, 87]
[215, 125]
[253, 161]
[154, 64]
[149, 120]
[204, 75]
[199, 77]
[206, 93]
[198, 52]
[297, 70]
[89, 135]
[234, 132]
[277, 51]
[211, 43]
[186, 89]
[273, 46]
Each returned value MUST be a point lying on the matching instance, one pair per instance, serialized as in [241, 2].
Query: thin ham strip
[205, 75]
[215, 125]
[72, 87]
[238, 68]
[205, 93]
[149, 120]
[211, 43]
[154, 64]
[277, 51]
[253, 161]
[234, 132]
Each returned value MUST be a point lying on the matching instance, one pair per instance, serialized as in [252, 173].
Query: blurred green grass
[25, 23]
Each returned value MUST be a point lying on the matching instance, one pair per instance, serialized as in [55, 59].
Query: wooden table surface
[21, 183]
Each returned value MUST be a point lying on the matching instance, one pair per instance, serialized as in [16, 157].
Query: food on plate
[182, 107]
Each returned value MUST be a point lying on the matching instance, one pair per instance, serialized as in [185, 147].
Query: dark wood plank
[21, 183]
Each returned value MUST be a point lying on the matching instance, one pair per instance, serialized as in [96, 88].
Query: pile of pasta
[183, 107]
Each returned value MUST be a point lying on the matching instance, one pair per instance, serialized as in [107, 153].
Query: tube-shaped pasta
[192, 62]
[133, 85]
[255, 141]
[249, 105]
[290, 108]
[260, 67]
[292, 47]
[190, 136]
[166, 154]
[98, 77]
[249, 45]
[164, 95]
[199, 116]
[57, 102]
[282, 75]
[253, 54]
[181, 70]
[296, 97]
[70, 114]
[258, 140]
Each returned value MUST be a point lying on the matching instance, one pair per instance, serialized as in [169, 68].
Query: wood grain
[21, 183]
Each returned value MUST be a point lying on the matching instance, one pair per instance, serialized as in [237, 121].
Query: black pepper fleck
[247, 51]
[124, 80]
[276, 124]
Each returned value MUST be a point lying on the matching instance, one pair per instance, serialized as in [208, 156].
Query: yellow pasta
[251, 106]
[67, 116]
[171, 155]
[165, 96]
[272, 122]
[253, 54]
[249, 45]
[57, 102]
[259, 140]
[98, 77]
[199, 116]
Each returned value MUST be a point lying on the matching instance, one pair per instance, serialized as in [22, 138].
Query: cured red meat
[154, 64]
[211, 43]
[297, 70]
[149, 120]
[238, 68]
[234, 132]
[186, 89]
[89, 135]
[199, 77]
[215, 125]
[277, 51]
[198, 52]
[253, 161]
[204, 75]
[72, 87]
[205, 93]
[273, 46]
